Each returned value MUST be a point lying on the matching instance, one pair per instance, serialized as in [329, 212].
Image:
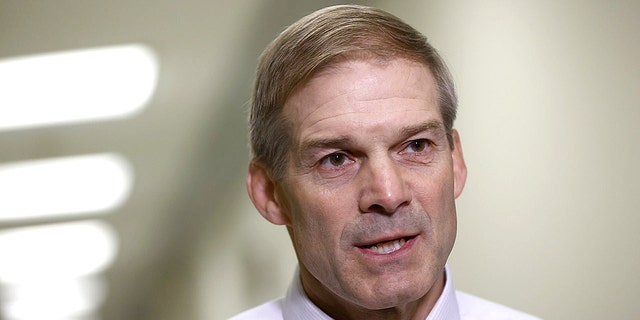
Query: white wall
[549, 121]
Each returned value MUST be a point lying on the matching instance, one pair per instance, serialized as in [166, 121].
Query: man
[355, 153]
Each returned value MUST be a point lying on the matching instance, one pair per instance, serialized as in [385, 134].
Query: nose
[383, 187]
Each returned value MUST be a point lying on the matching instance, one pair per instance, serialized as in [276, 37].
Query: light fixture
[44, 253]
[63, 186]
[55, 299]
[76, 86]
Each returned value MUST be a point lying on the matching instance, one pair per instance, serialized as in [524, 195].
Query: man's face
[368, 195]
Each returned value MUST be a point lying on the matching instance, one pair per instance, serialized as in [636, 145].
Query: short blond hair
[317, 41]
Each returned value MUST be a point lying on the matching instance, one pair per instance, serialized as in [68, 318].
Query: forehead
[350, 92]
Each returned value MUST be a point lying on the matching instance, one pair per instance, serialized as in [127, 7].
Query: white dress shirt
[452, 305]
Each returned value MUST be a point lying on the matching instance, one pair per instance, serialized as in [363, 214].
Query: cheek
[315, 222]
[434, 191]
[436, 197]
[447, 219]
[318, 220]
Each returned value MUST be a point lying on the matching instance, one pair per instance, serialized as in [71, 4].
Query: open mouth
[387, 247]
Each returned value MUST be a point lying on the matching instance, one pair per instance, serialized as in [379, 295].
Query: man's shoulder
[475, 308]
[271, 310]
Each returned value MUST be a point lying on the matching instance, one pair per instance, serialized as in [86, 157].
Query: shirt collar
[297, 305]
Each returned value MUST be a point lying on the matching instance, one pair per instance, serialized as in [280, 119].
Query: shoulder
[271, 310]
[475, 308]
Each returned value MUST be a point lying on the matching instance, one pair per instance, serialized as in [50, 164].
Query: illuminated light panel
[63, 186]
[76, 86]
[54, 299]
[41, 254]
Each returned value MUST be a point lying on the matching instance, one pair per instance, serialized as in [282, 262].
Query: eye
[335, 159]
[418, 145]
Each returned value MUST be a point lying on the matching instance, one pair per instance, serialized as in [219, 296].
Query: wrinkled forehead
[355, 92]
[355, 80]
[336, 64]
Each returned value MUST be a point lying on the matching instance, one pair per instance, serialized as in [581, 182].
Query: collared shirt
[451, 305]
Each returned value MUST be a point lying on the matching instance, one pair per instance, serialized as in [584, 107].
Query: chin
[393, 295]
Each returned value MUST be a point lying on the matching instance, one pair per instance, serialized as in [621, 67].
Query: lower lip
[381, 257]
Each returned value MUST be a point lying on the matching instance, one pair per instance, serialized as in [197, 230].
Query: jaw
[387, 298]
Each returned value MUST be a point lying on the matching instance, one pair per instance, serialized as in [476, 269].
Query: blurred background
[123, 151]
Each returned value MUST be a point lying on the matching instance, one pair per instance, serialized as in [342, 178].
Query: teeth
[388, 247]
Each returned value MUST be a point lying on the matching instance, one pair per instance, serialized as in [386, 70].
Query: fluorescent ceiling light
[41, 254]
[63, 186]
[55, 299]
[76, 86]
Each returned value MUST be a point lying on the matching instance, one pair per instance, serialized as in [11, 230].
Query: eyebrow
[338, 142]
[434, 126]
[324, 143]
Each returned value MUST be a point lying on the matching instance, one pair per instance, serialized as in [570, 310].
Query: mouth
[387, 247]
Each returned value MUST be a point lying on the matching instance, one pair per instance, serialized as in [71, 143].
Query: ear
[459, 167]
[262, 191]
